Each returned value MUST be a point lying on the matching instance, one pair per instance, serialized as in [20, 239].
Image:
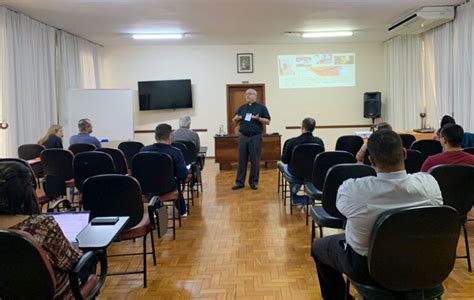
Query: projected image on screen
[316, 70]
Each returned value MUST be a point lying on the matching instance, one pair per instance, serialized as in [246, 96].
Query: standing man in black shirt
[251, 116]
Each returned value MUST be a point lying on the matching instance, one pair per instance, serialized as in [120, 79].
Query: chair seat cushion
[87, 287]
[138, 230]
[312, 191]
[323, 219]
[292, 179]
[378, 292]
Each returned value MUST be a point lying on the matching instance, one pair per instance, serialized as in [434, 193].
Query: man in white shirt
[362, 201]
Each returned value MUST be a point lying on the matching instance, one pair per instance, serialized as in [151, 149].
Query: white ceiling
[110, 22]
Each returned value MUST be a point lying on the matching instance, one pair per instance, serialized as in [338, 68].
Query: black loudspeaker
[372, 105]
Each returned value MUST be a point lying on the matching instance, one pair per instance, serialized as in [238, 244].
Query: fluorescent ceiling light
[326, 34]
[158, 36]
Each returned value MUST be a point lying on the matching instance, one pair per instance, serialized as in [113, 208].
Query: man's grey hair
[83, 124]
[184, 121]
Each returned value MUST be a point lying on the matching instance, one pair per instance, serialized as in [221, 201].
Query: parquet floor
[239, 245]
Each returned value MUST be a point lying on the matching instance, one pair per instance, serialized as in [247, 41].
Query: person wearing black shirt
[53, 138]
[306, 137]
[251, 117]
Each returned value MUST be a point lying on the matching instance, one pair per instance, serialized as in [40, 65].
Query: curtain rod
[75, 35]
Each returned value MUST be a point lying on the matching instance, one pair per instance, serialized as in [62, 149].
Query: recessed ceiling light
[326, 34]
[158, 36]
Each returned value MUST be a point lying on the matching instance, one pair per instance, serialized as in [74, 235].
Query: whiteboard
[110, 111]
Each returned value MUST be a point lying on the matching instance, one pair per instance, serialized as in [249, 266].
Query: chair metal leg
[313, 229]
[279, 180]
[307, 210]
[468, 254]
[153, 247]
[320, 231]
[144, 261]
[291, 202]
[174, 222]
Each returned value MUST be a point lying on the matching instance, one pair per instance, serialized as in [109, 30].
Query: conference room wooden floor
[239, 245]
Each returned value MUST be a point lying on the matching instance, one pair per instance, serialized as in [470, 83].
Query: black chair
[188, 159]
[81, 147]
[195, 166]
[427, 147]
[120, 195]
[155, 172]
[91, 163]
[349, 143]
[280, 168]
[411, 252]
[414, 161]
[407, 139]
[58, 171]
[300, 168]
[327, 215]
[322, 163]
[457, 187]
[118, 157]
[30, 151]
[25, 261]
[129, 149]
[469, 150]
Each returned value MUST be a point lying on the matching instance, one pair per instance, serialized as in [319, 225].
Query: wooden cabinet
[227, 150]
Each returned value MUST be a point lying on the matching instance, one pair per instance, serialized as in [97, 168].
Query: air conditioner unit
[423, 19]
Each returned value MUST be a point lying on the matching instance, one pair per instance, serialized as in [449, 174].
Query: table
[227, 150]
[95, 237]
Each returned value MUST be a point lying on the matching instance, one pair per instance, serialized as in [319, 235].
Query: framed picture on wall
[244, 63]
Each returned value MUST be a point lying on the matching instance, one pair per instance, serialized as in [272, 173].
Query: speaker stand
[372, 127]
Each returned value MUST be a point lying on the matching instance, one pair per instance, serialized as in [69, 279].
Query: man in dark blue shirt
[251, 117]
[163, 145]
[84, 135]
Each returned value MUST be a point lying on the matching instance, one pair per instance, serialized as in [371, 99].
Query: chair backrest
[336, 175]
[81, 147]
[129, 149]
[469, 150]
[414, 161]
[349, 143]
[427, 147]
[407, 139]
[413, 248]
[30, 151]
[119, 159]
[155, 172]
[91, 163]
[468, 140]
[457, 185]
[324, 161]
[26, 271]
[57, 162]
[184, 150]
[193, 152]
[113, 195]
[302, 158]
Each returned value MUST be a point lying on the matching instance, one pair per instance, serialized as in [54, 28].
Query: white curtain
[463, 52]
[403, 75]
[79, 68]
[28, 90]
[439, 74]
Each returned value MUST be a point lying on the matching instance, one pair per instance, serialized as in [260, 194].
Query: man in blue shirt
[85, 129]
[163, 145]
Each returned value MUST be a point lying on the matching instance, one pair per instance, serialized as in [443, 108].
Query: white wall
[210, 68]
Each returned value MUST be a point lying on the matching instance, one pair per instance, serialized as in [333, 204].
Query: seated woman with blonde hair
[53, 138]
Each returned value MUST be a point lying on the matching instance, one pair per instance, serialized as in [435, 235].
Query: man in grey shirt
[361, 201]
[184, 133]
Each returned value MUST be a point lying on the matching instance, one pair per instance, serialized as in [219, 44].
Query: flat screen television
[165, 94]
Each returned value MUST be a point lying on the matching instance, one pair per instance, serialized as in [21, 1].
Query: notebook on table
[71, 223]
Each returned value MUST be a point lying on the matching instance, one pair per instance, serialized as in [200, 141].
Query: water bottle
[221, 130]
